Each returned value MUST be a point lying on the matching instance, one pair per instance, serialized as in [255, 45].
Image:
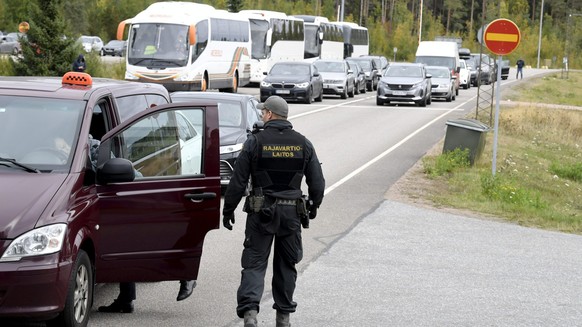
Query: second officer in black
[275, 159]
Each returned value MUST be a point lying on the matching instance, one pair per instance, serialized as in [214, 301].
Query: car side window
[131, 105]
[161, 145]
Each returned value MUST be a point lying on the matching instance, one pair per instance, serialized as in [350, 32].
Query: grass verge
[538, 180]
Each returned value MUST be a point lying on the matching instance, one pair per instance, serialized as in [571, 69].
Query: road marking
[392, 148]
[329, 107]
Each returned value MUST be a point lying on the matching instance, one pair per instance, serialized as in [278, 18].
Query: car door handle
[197, 197]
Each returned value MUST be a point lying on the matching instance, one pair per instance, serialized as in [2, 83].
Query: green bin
[466, 134]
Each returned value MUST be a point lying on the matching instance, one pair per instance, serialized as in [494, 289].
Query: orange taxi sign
[501, 36]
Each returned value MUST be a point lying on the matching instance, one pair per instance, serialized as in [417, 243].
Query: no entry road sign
[502, 36]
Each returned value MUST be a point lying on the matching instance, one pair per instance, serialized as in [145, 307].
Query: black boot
[117, 307]
[186, 289]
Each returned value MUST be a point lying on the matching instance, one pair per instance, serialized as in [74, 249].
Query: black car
[488, 67]
[405, 82]
[293, 80]
[505, 65]
[371, 70]
[237, 114]
[114, 48]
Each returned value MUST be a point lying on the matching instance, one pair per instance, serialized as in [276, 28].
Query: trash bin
[466, 134]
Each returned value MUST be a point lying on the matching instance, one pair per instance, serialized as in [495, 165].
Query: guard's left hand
[228, 221]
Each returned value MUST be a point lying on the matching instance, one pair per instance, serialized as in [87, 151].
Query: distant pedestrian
[79, 64]
[520, 63]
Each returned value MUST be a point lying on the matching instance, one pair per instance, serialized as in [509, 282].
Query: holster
[302, 211]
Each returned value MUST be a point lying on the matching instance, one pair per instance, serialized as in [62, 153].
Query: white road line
[329, 107]
[394, 147]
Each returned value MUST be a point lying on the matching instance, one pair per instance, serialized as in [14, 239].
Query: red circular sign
[501, 36]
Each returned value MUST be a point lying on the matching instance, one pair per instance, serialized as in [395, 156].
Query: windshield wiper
[23, 166]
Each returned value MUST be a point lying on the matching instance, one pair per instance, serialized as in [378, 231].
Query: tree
[45, 49]
[234, 5]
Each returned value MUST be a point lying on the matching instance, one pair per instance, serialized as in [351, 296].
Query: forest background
[393, 24]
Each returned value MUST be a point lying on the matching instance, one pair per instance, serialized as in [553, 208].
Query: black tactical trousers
[284, 228]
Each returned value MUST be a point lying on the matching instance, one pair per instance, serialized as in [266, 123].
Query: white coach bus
[187, 46]
[323, 39]
[275, 37]
[356, 39]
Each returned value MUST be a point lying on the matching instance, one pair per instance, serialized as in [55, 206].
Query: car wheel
[79, 295]
[449, 98]
[320, 97]
[309, 96]
[379, 102]
[429, 101]
[344, 95]
[422, 102]
[357, 88]
[351, 94]
[456, 91]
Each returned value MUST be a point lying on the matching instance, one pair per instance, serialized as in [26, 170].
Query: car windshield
[229, 114]
[39, 132]
[330, 66]
[289, 69]
[365, 64]
[115, 43]
[439, 73]
[403, 71]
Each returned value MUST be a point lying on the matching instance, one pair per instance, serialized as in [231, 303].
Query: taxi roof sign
[501, 36]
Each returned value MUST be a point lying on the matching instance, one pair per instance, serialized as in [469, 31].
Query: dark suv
[101, 181]
[371, 70]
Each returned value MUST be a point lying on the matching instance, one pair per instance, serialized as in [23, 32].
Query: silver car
[405, 82]
[338, 78]
[443, 82]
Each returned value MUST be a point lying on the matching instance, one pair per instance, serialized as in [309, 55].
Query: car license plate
[282, 91]
[399, 92]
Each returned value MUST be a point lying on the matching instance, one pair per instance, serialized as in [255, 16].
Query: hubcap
[81, 294]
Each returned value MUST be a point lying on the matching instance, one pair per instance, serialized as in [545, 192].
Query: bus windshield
[158, 45]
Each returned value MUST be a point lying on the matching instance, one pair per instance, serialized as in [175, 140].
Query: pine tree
[235, 5]
[45, 49]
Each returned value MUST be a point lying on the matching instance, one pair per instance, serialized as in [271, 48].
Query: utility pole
[540, 37]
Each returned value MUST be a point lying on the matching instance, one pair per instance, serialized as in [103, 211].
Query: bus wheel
[234, 87]
[204, 85]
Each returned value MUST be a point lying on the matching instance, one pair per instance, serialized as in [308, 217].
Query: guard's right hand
[228, 221]
[312, 212]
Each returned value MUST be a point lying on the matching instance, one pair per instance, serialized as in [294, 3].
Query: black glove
[312, 212]
[227, 220]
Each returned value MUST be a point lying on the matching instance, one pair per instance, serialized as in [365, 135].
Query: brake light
[77, 78]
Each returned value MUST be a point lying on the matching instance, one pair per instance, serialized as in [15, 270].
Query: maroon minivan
[100, 181]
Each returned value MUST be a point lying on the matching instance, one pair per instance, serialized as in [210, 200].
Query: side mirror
[428, 76]
[350, 71]
[315, 74]
[264, 73]
[115, 170]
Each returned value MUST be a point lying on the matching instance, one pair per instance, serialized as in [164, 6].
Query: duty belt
[285, 202]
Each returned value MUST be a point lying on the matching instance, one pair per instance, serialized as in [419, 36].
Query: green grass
[552, 88]
[538, 180]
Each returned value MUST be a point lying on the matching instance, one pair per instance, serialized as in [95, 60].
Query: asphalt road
[369, 261]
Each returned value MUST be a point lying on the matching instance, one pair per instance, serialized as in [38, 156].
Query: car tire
[344, 95]
[79, 295]
[320, 97]
[449, 98]
[351, 94]
[309, 96]
[379, 102]
[357, 88]
[429, 101]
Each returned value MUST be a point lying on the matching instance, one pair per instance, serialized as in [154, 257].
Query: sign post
[501, 37]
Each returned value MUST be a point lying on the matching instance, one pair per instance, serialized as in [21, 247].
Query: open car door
[154, 213]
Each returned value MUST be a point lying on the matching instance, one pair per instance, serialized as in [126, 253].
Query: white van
[440, 53]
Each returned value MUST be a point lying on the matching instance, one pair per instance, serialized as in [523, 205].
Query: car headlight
[265, 84]
[419, 84]
[39, 241]
[231, 148]
[302, 85]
